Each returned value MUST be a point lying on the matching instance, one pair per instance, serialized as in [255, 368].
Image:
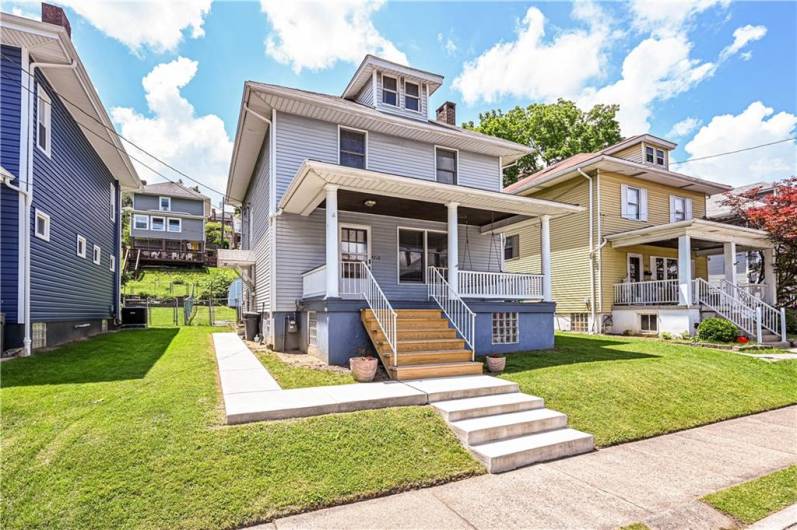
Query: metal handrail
[380, 306]
[455, 309]
[770, 316]
[728, 306]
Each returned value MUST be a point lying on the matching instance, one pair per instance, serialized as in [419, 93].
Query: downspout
[598, 254]
[591, 255]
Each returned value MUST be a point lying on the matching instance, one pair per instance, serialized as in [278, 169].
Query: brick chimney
[55, 15]
[447, 113]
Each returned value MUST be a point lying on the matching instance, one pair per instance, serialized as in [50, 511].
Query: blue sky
[711, 75]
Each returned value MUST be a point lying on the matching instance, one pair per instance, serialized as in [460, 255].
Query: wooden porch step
[426, 333]
[432, 357]
[403, 346]
[422, 371]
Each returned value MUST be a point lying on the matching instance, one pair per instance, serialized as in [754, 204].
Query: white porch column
[729, 253]
[545, 253]
[771, 279]
[453, 247]
[684, 270]
[332, 244]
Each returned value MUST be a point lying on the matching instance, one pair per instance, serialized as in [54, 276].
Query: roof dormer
[393, 88]
[644, 149]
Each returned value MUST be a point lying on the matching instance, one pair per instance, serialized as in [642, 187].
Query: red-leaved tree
[777, 214]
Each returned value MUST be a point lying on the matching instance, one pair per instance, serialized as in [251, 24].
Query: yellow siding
[569, 248]
[633, 153]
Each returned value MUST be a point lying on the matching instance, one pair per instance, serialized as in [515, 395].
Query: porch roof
[235, 258]
[697, 229]
[409, 197]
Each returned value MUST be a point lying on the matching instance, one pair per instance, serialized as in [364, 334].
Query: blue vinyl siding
[73, 188]
[10, 85]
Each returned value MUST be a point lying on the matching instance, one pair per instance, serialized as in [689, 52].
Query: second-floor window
[680, 209]
[140, 222]
[634, 203]
[165, 204]
[43, 121]
[446, 165]
[158, 224]
[175, 225]
[412, 96]
[352, 148]
[389, 91]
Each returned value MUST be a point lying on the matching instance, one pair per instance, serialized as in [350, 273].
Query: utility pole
[222, 222]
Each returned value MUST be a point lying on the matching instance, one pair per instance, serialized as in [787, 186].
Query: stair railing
[455, 309]
[772, 318]
[383, 312]
[729, 307]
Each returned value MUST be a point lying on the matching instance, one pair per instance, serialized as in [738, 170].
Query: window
[312, 328]
[112, 202]
[96, 255]
[648, 323]
[649, 155]
[81, 246]
[175, 225]
[412, 262]
[446, 165]
[512, 247]
[43, 121]
[352, 148]
[634, 203]
[42, 225]
[579, 322]
[38, 335]
[680, 209]
[505, 329]
[111, 262]
[389, 91]
[412, 96]
[165, 204]
[140, 222]
[157, 224]
[659, 157]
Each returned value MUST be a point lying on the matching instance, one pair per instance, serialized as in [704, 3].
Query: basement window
[579, 322]
[312, 328]
[38, 331]
[505, 327]
[648, 323]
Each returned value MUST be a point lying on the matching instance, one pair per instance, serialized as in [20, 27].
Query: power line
[733, 152]
[113, 131]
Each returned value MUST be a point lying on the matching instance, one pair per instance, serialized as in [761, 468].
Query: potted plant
[496, 363]
[363, 367]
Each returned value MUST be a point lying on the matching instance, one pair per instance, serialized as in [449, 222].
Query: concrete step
[505, 455]
[434, 370]
[485, 429]
[445, 388]
[463, 409]
[436, 356]
[429, 345]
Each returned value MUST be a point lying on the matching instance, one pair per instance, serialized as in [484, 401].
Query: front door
[634, 268]
[355, 250]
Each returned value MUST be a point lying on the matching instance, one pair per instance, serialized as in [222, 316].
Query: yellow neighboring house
[636, 259]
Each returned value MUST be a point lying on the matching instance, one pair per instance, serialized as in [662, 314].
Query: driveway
[657, 481]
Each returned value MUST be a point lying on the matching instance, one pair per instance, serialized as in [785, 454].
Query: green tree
[554, 131]
[213, 234]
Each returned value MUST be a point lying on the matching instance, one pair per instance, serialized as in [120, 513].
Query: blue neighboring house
[63, 169]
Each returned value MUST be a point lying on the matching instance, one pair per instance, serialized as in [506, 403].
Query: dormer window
[165, 204]
[660, 157]
[654, 156]
[412, 96]
[649, 154]
[389, 91]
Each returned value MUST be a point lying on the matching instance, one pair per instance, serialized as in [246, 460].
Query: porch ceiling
[705, 236]
[408, 197]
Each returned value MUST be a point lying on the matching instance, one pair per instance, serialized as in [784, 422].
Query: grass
[752, 501]
[164, 316]
[124, 431]
[289, 376]
[622, 388]
[160, 283]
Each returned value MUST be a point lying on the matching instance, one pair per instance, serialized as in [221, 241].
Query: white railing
[383, 312]
[772, 318]
[728, 306]
[314, 282]
[455, 309]
[352, 278]
[503, 285]
[646, 293]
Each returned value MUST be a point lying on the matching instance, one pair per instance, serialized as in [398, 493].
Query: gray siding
[366, 95]
[479, 171]
[400, 156]
[301, 245]
[257, 206]
[179, 204]
[300, 139]
[192, 230]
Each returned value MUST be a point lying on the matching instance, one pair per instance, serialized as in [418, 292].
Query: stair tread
[420, 341]
[505, 419]
[529, 442]
[436, 365]
[457, 405]
[433, 352]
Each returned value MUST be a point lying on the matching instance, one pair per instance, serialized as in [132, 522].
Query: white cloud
[746, 56]
[534, 67]
[684, 127]
[447, 43]
[741, 38]
[756, 125]
[668, 16]
[317, 35]
[197, 145]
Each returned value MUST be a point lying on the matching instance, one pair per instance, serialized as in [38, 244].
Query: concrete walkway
[657, 481]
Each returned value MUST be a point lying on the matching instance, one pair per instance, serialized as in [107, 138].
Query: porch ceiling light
[370, 203]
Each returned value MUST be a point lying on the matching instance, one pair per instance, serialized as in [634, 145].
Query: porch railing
[314, 282]
[772, 318]
[455, 309]
[350, 283]
[500, 285]
[653, 292]
[380, 306]
[728, 306]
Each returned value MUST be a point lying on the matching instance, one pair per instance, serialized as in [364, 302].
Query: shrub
[717, 330]
[666, 335]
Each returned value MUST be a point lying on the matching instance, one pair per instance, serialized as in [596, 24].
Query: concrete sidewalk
[656, 481]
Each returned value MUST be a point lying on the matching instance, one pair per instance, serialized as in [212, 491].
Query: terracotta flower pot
[496, 364]
[363, 368]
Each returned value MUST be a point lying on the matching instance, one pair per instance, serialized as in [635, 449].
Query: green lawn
[289, 376]
[752, 501]
[160, 283]
[622, 388]
[124, 431]
[164, 316]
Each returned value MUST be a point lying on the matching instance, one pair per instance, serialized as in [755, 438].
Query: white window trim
[96, 255]
[160, 205]
[179, 225]
[44, 109]
[643, 203]
[352, 129]
[653, 267]
[656, 319]
[425, 251]
[517, 327]
[628, 257]
[111, 262]
[645, 148]
[139, 216]
[152, 223]
[456, 173]
[309, 340]
[80, 240]
[367, 228]
[418, 97]
[46, 234]
[688, 205]
[397, 92]
[503, 247]
[112, 202]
